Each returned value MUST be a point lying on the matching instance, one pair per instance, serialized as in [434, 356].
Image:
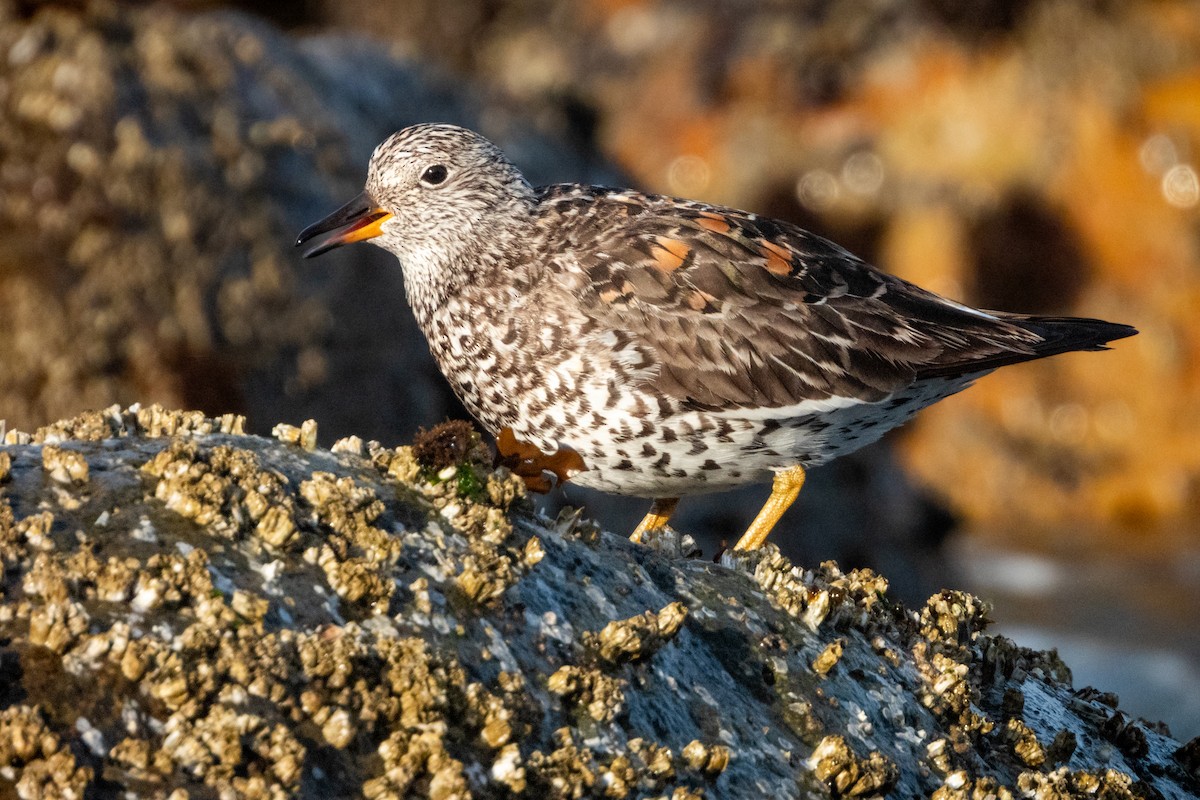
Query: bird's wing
[737, 310]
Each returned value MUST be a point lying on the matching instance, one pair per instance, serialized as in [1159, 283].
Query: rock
[158, 635]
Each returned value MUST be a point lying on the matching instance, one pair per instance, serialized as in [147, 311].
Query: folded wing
[741, 311]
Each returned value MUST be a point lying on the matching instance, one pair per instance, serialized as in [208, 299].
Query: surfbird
[659, 347]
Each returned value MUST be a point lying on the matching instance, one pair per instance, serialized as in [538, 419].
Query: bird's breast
[513, 364]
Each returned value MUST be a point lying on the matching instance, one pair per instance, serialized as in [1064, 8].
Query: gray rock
[184, 606]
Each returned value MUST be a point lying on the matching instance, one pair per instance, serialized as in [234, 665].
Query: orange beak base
[356, 221]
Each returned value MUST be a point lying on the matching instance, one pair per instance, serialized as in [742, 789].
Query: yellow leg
[660, 512]
[784, 489]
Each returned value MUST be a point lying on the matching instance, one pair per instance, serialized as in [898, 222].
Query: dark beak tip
[348, 214]
[309, 232]
[313, 249]
[316, 249]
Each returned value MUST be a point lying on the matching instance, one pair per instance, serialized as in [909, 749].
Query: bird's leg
[784, 489]
[659, 514]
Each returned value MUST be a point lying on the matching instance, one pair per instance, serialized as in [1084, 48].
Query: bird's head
[431, 192]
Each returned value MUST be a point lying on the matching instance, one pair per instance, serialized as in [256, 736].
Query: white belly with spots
[699, 452]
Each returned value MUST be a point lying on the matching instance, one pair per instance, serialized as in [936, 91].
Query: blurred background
[156, 162]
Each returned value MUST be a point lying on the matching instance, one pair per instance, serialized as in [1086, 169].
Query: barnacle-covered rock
[35, 760]
[1025, 744]
[828, 657]
[590, 689]
[636, 638]
[706, 758]
[953, 620]
[961, 786]
[846, 774]
[228, 615]
[1063, 782]
[64, 466]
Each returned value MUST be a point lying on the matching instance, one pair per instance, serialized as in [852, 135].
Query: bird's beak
[359, 219]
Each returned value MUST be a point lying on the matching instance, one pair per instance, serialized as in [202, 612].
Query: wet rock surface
[189, 611]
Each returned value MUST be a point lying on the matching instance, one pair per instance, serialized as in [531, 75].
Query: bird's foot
[533, 466]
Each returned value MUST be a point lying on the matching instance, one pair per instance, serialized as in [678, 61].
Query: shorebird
[653, 346]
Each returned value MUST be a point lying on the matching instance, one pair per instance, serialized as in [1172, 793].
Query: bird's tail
[1013, 338]
[1068, 334]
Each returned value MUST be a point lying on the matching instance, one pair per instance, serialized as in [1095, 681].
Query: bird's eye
[434, 175]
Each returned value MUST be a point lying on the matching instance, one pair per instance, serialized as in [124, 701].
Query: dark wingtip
[1104, 332]
[1058, 335]
[1064, 334]
[1120, 331]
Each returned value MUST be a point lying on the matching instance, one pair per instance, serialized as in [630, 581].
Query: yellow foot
[784, 489]
[659, 514]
